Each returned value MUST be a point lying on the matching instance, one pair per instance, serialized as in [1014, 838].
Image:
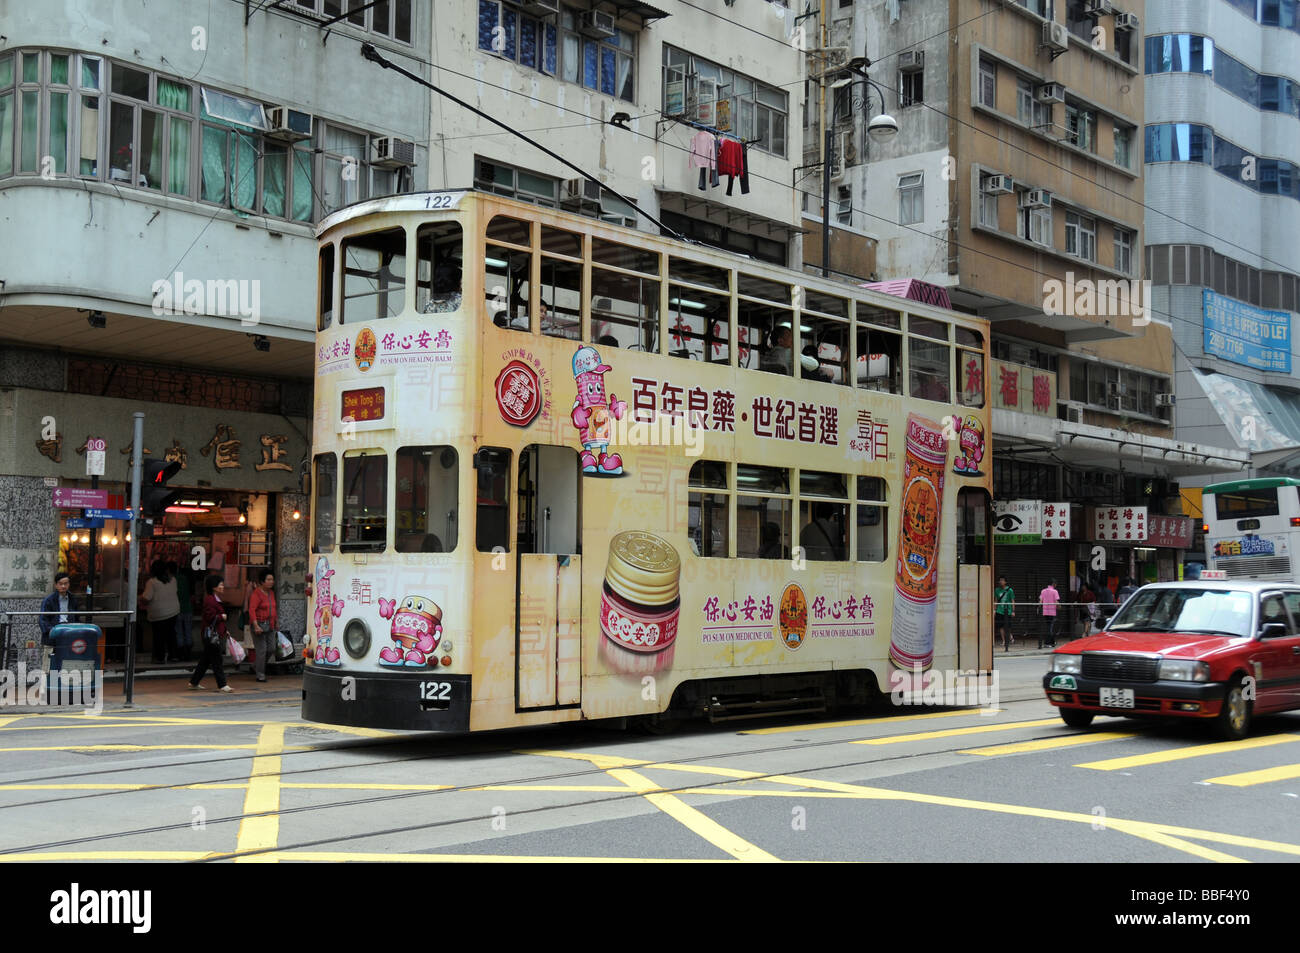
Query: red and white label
[519, 394]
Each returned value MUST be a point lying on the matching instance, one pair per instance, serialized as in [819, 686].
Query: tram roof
[416, 202]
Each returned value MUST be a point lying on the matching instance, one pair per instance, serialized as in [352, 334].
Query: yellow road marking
[5, 721]
[1177, 843]
[323, 786]
[693, 819]
[700, 769]
[78, 787]
[1048, 744]
[602, 761]
[263, 797]
[585, 788]
[1284, 772]
[332, 857]
[866, 721]
[1195, 751]
[119, 724]
[956, 732]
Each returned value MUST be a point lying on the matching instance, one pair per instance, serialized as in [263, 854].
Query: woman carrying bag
[214, 635]
[262, 620]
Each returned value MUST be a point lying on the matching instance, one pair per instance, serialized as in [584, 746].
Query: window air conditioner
[1126, 21]
[1051, 93]
[1074, 413]
[596, 24]
[911, 60]
[1036, 198]
[390, 153]
[288, 125]
[580, 191]
[1056, 36]
[1165, 400]
[999, 185]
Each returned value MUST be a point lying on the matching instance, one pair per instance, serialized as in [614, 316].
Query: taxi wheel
[1233, 722]
[1075, 717]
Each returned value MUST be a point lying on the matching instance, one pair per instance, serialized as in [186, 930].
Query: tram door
[974, 580]
[548, 646]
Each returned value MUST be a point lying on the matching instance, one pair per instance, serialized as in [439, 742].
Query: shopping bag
[212, 636]
[235, 650]
[283, 646]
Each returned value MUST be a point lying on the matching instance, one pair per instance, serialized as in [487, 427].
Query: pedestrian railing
[11, 618]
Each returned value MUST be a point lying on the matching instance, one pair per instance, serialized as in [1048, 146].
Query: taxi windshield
[1217, 611]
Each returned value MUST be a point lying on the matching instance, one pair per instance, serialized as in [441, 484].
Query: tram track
[455, 789]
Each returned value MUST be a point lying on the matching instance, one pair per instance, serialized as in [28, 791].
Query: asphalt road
[248, 780]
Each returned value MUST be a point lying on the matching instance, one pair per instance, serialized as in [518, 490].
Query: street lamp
[882, 128]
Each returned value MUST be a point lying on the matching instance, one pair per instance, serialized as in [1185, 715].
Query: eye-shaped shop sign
[1017, 522]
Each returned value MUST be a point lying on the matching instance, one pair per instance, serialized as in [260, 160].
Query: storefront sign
[1017, 522]
[1172, 531]
[71, 496]
[1124, 524]
[1056, 521]
[366, 404]
[26, 572]
[1027, 390]
[1243, 334]
[94, 448]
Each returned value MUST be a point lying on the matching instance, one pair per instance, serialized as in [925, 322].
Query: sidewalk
[173, 691]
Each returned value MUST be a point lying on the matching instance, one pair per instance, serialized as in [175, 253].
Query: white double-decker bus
[1252, 528]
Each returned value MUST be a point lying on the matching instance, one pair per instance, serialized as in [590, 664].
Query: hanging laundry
[733, 162]
[704, 157]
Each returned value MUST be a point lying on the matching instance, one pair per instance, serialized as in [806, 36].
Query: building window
[390, 18]
[911, 88]
[516, 183]
[844, 206]
[988, 83]
[729, 101]
[1179, 53]
[728, 239]
[1028, 109]
[1123, 250]
[1123, 145]
[1080, 127]
[1035, 224]
[606, 65]
[988, 205]
[1042, 7]
[1080, 236]
[1178, 142]
[910, 199]
[1079, 20]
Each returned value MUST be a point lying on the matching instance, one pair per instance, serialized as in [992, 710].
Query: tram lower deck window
[427, 481]
[365, 502]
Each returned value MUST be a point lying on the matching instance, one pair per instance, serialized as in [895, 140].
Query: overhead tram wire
[369, 52]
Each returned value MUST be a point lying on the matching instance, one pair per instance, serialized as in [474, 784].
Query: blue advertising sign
[102, 514]
[84, 524]
[1244, 334]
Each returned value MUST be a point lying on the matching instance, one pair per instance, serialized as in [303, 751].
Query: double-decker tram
[568, 470]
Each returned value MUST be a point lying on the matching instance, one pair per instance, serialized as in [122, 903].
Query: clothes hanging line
[717, 132]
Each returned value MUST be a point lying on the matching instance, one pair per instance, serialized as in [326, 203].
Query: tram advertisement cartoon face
[593, 413]
[416, 632]
[327, 609]
[970, 447]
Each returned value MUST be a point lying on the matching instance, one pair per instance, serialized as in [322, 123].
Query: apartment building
[1015, 183]
[1223, 254]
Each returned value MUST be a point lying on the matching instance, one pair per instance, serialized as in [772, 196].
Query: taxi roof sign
[1214, 574]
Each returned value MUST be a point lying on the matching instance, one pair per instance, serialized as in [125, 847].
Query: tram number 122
[438, 201]
[435, 691]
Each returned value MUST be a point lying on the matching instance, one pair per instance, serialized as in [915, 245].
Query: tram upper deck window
[699, 324]
[365, 501]
[698, 273]
[707, 506]
[326, 490]
[929, 374]
[825, 327]
[426, 512]
[439, 272]
[765, 327]
[507, 263]
[560, 309]
[970, 368]
[880, 360]
[624, 303]
[374, 275]
[325, 315]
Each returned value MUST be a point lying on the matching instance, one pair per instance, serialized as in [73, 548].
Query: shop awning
[1046, 440]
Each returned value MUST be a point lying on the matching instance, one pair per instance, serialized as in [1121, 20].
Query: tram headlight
[356, 638]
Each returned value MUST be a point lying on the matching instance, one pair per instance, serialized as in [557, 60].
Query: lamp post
[882, 129]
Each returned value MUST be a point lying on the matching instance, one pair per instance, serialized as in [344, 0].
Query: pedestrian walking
[160, 597]
[1049, 599]
[214, 635]
[1004, 602]
[1087, 608]
[262, 621]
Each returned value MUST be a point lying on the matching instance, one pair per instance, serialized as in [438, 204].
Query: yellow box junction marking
[1283, 772]
[1050, 744]
[861, 722]
[1180, 754]
[955, 732]
[263, 797]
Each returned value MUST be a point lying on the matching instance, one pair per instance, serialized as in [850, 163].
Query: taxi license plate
[1117, 698]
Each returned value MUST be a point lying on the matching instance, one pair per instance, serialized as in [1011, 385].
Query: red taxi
[1212, 649]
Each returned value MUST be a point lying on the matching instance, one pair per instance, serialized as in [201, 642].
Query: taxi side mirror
[1272, 630]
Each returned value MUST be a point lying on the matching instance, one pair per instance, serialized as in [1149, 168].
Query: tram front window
[365, 501]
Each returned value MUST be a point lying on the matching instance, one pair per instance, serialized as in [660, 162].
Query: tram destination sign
[72, 496]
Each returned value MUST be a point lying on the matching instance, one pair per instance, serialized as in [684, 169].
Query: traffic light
[155, 497]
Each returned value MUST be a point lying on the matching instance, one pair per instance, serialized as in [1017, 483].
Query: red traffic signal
[155, 497]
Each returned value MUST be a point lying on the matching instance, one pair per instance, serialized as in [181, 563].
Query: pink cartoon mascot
[593, 414]
[416, 631]
[327, 609]
[970, 447]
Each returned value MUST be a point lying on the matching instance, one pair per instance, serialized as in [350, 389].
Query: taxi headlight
[1184, 670]
[1067, 664]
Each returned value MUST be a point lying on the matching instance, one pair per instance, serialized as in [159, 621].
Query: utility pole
[133, 564]
[824, 23]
